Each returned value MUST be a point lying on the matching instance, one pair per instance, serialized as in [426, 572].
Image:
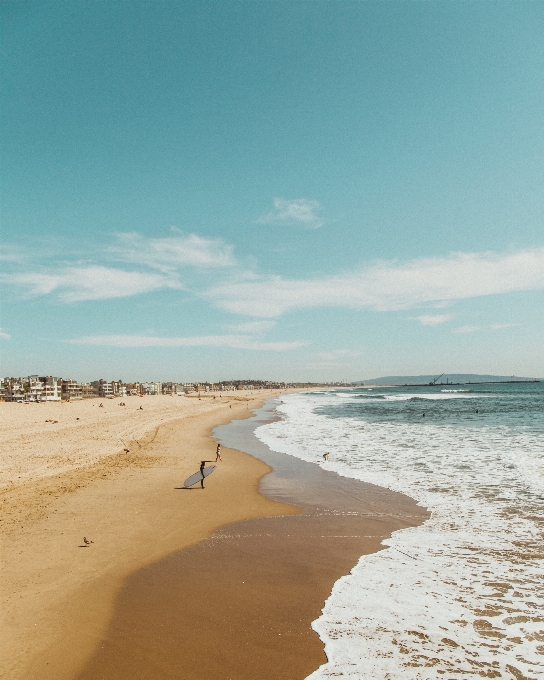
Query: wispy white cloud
[232, 341]
[167, 256]
[172, 252]
[256, 327]
[4, 335]
[73, 284]
[390, 286]
[434, 319]
[299, 211]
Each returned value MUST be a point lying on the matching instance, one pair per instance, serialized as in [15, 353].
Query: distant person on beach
[202, 464]
[218, 453]
[326, 456]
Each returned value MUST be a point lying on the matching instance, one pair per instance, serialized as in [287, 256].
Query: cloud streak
[299, 211]
[390, 286]
[231, 341]
[169, 253]
[74, 284]
[160, 263]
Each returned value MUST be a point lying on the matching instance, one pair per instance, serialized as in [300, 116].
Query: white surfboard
[193, 479]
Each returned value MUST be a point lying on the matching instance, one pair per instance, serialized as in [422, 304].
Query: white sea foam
[459, 596]
[450, 394]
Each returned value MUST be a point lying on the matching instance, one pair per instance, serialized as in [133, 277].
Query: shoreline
[61, 601]
[57, 597]
[254, 588]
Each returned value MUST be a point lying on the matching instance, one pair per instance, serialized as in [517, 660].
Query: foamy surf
[463, 594]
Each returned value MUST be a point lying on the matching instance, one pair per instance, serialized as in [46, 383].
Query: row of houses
[50, 388]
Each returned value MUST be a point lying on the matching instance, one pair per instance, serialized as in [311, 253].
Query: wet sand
[240, 604]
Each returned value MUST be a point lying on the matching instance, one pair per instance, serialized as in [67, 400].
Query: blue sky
[287, 190]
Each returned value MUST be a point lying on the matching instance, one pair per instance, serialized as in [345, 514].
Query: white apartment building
[151, 388]
[51, 390]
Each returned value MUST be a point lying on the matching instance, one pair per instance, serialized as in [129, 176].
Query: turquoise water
[463, 594]
[518, 406]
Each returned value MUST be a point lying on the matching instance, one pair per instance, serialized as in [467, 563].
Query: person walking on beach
[202, 464]
[218, 453]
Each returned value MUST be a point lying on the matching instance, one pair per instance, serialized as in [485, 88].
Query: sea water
[462, 595]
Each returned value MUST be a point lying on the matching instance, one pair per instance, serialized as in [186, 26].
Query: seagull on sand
[86, 541]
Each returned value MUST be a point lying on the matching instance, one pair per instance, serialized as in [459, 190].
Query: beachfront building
[51, 390]
[103, 388]
[172, 388]
[71, 390]
[32, 388]
[88, 391]
[151, 388]
[119, 388]
[14, 389]
[109, 389]
[227, 387]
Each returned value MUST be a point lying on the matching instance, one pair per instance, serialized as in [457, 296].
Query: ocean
[461, 595]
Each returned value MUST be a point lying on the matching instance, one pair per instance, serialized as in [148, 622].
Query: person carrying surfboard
[202, 464]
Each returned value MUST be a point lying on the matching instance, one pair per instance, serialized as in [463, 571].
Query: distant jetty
[447, 380]
[452, 384]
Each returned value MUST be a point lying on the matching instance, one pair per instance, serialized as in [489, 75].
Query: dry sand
[63, 481]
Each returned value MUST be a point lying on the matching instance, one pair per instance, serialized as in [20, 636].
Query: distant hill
[447, 377]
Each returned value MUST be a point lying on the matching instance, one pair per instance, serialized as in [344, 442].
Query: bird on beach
[86, 541]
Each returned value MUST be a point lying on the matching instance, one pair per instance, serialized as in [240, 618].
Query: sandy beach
[65, 604]
[63, 481]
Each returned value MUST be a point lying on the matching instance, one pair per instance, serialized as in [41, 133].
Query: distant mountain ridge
[447, 377]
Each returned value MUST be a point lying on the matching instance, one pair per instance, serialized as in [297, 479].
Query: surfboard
[193, 479]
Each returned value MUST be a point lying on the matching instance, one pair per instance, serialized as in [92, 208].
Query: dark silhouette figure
[202, 464]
